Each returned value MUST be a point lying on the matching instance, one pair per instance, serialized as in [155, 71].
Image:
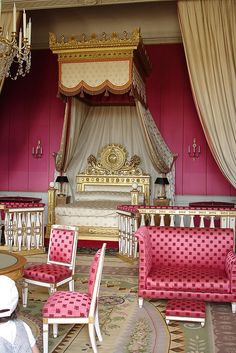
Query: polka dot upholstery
[230, 268]
[190, 246]
[223, 208]
[60, 265]
[67, 304]
[76, 307]
[189, 308]
[177, 294]
[128, 208]
[93, 272]
[73, 304]
[23, 204]
[61, 245]
[191, 263]
[188, 278]
[48, 273]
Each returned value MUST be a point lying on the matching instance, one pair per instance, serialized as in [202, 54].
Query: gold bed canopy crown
[112, 159]
[93, 65]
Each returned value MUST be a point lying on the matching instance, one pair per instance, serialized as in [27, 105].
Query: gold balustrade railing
[23, 229]
[130, 218]
[186, 216]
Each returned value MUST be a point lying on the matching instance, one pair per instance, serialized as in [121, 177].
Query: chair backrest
[63, 245]
[95, 276]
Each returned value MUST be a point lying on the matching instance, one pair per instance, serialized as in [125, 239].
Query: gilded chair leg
[72, 285]
[52, 289]
[45, 338]
[140, 302]
[92, 337]
[97, 326]
[55, 330]
[24, 294]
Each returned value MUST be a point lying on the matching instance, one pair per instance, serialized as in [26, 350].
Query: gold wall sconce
[37, 151]
[194, 150]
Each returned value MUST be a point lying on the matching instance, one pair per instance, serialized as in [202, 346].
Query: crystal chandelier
[15, 54]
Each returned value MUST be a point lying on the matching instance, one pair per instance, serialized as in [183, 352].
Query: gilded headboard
[112, 168]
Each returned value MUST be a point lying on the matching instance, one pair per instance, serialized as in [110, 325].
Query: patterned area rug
[125, 327]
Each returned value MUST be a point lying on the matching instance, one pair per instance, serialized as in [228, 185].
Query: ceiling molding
[163, 40]
[157, 20]
[53, 4]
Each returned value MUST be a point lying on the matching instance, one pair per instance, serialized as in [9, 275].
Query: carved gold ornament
[94, 41]
[112, 159]
[112, 167]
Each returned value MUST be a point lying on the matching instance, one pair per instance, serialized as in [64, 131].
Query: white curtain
[74, 118]
[158, 151]
[111, 124]
[208, 29]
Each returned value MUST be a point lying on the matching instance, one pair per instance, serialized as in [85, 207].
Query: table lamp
[161, 181]
[61, 179]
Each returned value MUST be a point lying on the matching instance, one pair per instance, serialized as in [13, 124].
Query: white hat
[8, 296]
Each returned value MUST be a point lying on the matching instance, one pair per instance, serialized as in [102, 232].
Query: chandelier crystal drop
[15, 50]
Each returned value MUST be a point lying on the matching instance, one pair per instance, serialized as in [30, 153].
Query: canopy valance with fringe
[111, 64]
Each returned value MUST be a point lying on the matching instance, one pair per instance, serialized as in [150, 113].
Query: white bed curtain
[74, 118]
[159, 154]
[209, 35]
[91, 128]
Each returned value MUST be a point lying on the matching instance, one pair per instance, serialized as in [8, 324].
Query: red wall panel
[194, 170]
[4, 145]
[30, 111]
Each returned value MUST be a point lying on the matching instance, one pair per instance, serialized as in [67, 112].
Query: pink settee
[187, 263]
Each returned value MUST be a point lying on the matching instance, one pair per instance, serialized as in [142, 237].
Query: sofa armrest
[145, 255]
[230, 269]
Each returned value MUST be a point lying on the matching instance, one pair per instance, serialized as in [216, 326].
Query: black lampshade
[62, 179]
[162, 181]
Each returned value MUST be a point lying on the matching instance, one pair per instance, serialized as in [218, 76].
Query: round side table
[11, 264]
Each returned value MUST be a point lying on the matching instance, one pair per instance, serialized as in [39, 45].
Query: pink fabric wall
[30, 110]
[171, 104]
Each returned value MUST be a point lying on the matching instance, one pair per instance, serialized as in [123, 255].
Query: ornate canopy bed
[107, 182]
[103, 82]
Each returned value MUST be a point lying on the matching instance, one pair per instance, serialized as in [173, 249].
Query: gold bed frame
[112, 168]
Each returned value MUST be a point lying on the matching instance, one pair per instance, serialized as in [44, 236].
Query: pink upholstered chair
[60, 266]
[75, 307]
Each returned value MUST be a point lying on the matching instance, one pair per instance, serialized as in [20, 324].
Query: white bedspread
[92, 212]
